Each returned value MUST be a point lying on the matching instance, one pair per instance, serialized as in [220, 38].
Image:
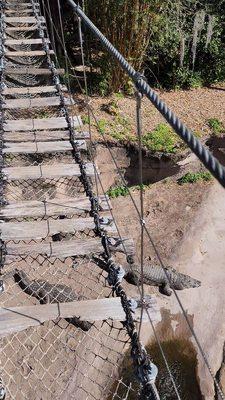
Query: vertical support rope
[139, 134]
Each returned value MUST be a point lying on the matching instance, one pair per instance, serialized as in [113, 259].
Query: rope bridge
[60, 245]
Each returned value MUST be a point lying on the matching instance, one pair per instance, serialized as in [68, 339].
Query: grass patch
[192, 177]
[162, 139]
[216, 126]
[124, 190]
[117, 191]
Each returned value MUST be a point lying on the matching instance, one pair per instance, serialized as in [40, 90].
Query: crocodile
[156, 276]
[49, 293]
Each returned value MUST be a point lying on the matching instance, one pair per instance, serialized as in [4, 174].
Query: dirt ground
[194, 107]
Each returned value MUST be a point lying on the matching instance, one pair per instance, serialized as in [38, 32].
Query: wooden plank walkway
[16, 319]
[38, 102]
[64, 249]
[31, 90]
[23, 20]
[32, 71]
[32, 53]
[41, 229]
[41, 147]
[43, 136]
[10, 29]
[11, 42]
[53, 207]
[40, 124]
[54, 171]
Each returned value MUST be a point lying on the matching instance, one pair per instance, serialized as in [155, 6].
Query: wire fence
[59, 358]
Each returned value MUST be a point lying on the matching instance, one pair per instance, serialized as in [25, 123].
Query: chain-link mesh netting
[59, 359]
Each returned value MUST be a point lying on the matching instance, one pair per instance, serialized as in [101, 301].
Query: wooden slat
[54, 171]
[32, 71]
[32, 90]
[41, 136]
[23, 28]
[42, 229]
[39, 124]
[41, 147]
[8, 4]
[37, 102]
[18, 12]
[33, 53]
[64, 249]
[23, 20]
[19, 42]
[16, 319]
[52, 207]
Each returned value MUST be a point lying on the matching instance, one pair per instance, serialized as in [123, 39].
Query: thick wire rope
[157, 254]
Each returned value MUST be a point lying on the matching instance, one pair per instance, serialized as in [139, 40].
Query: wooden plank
[23, 28]
[33, 53]
[18, 11]
[17, 125]
[52, 207]
[38, 102]
[42, 229]
[19, 42]
[32, 71]
[32, 90]
[41, 136]
[23, 20]
[16, 319]
[41, 147]
[8, 4]
[54, 171]
[64, 249]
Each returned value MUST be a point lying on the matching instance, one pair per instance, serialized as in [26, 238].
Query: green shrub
[85, 119]
[118, 191]
[188, 79]
[102, 124]
[192, 177]
[216, 126]
[162, 138]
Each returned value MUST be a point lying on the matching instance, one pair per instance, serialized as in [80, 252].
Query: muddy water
[181, 357]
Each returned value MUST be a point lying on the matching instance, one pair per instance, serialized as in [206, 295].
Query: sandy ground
[202, 254]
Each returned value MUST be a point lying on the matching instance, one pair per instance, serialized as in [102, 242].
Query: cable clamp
[147, 373]
[105, 221]
[137, 78]
[115, 275]
[2, 391]
[133, 305]
[2, 289]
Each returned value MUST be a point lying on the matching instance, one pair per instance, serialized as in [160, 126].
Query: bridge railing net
[57, 359]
